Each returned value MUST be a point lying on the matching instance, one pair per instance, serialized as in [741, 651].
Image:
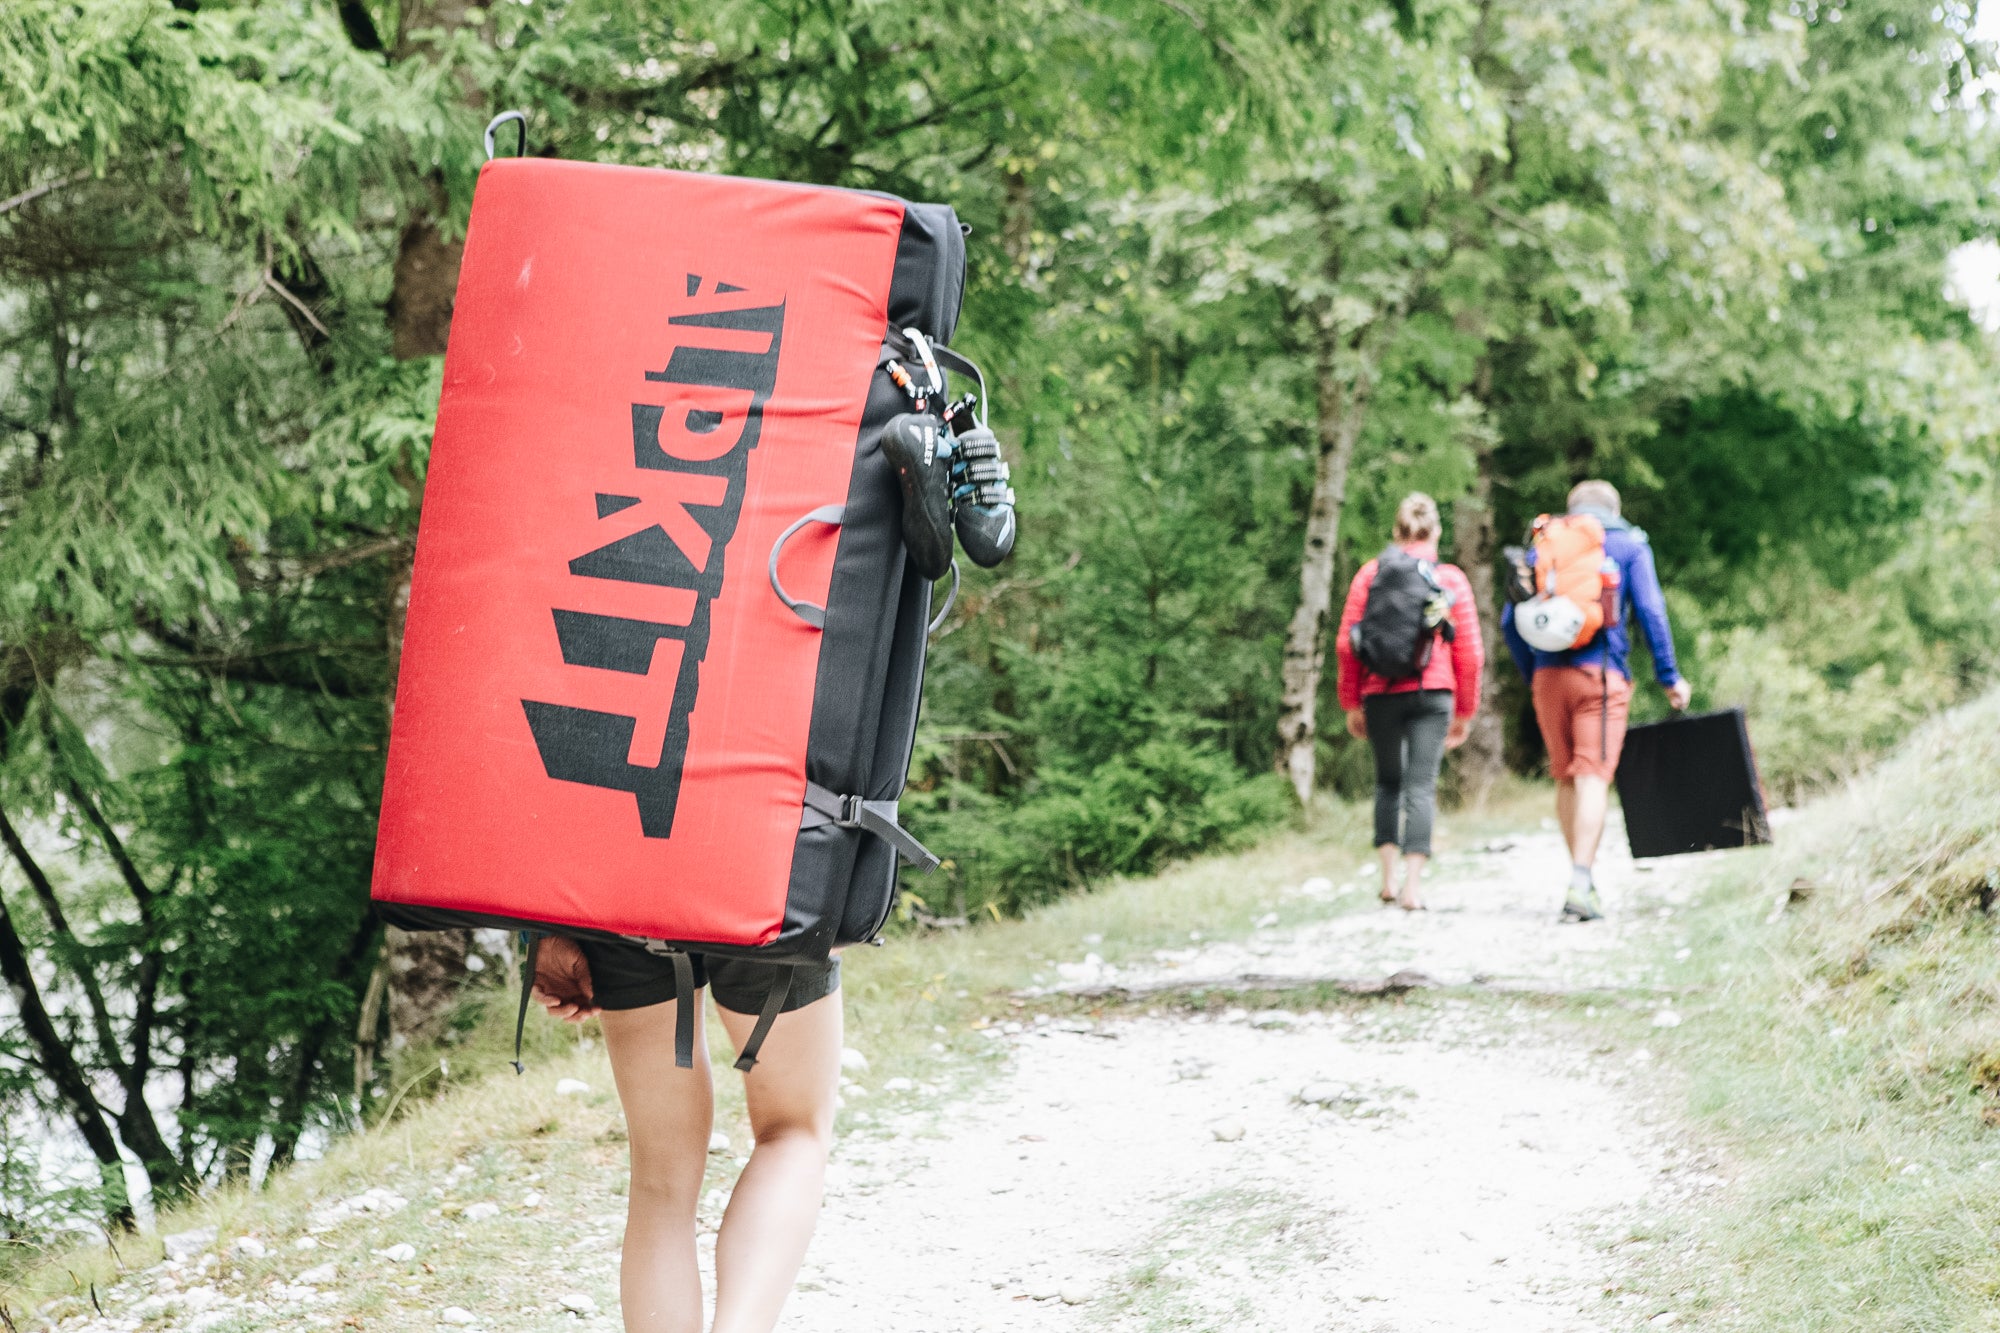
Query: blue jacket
[1639, 592]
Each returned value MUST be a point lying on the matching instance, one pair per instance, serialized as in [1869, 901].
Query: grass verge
[507, 1185]
[1845, 1051]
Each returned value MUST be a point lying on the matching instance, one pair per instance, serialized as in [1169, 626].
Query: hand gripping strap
[876, 817]
[806, 611]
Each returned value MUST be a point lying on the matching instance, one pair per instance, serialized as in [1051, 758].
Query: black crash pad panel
[1689, 784]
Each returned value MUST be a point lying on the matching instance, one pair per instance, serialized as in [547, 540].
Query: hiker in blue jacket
[1583, 694]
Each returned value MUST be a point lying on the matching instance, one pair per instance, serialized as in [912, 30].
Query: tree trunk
[136, 1125]
[425, 969]
[1482, 759]
[1342, 410]
[71, 1083]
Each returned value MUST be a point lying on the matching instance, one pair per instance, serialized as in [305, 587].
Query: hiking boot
[982, 501]
[920, 450]
[1583, 908]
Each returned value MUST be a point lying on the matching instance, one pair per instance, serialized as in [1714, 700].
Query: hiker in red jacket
[1410, 661]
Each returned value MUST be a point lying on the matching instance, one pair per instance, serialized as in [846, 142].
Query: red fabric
[1582, 717]
[572, 272]
[1456, 666]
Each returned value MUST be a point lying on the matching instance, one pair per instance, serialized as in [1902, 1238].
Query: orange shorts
[1582, 715]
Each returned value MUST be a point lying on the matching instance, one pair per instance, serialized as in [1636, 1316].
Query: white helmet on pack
[1549, 624]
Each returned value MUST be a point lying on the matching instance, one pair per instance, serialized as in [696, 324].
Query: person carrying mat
[1569, 593]
[669, 1113]
[1410, 659]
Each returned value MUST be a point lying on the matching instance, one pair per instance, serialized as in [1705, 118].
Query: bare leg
[1413, 880]
[1589, 802]
[1566, 815]
[668, 1114]
[776, 1202]
[1388, 851]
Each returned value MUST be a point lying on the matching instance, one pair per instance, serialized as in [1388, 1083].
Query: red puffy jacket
[1456, 666]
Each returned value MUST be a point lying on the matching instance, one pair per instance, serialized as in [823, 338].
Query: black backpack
[1407, 609]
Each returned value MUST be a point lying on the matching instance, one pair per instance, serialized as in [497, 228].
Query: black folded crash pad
[1690, 784]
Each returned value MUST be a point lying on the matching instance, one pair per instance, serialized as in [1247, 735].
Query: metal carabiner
[521, 145]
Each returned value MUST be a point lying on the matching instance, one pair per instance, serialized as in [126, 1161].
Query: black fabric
[1392, 639]
[1690, 784]
[533, 941]
[1406, 731]
[774, 1004]
[872, 893]
[684, 1002]
[928, 286]
[625, 975]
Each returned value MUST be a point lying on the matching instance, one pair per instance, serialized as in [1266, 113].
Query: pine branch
[28, 196]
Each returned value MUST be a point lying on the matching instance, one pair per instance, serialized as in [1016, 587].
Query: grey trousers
[1407, 732]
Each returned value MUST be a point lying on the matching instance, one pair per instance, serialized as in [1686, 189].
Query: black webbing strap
[686, 999]
[531, 946]
[774, 1002]
[876, 817]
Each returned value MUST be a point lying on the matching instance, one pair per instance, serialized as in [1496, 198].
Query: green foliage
[1163, 799]
[1502, 244]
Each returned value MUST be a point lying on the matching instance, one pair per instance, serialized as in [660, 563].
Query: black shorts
[627, 976]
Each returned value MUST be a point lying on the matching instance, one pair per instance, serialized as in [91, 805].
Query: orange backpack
[1570, 563]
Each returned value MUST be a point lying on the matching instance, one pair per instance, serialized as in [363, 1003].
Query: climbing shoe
[1583, 906]
[982, 503]
[921, 451]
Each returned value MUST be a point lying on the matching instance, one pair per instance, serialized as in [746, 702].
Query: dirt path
[1462, 1164]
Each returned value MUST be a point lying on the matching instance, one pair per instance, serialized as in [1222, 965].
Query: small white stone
[1317, 886]
[532, 1199]
[853, 1061]
[571, 1087]
[249, 1247]
[1267, 920]
[200, 1298]
[1321, 1094]
[899, 1085]
[320, 1275]
[479, 1212]
[400, 1253]
[377, 1200]
[185, 1245]
[577, 1303]
[718, 1142]
[1665, 1319]
[305, 1243]
[1076, 1293]
[1666, 1018]
[454, 1314]
[1226, 1131]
